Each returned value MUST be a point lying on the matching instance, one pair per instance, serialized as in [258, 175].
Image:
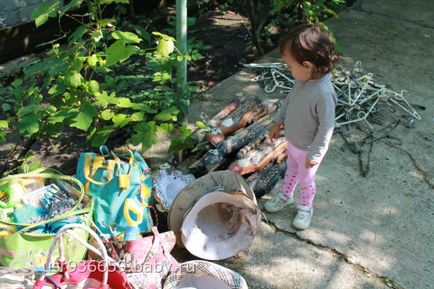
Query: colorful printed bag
[110, 180]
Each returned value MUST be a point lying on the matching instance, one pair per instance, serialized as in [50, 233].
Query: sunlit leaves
[75, 79]
[137, 116]
[119, 52]
[98, 137]
[44, 11]
[28, 119]
[107, 114]
[201, 125]
[124, 102]
[167, 114]
[145, 134]
[166, 44]
[93, 86]
[128, 37]
[85, 117]
[120, 120]
[4, 124]
[183, 141]
[103, 99]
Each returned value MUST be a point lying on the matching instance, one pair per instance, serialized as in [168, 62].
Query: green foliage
[268, 16]
[118, 52]
[85, 84]
[46, 10]
[28, 164]
[306, 11]
[201, 125]
[4, 126]
[285, 12]
[183, 141]
[194, 46]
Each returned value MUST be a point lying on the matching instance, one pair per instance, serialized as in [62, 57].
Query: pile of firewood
[238, 141]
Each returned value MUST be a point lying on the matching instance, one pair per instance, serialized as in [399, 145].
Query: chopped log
[282, 157]
[231, 122]
[217, 135]
[236, 115]
[244, 136]
[265, 180]
[261, 156]
[216, 157]
[238, 120]
[242, 153]
[228, 109]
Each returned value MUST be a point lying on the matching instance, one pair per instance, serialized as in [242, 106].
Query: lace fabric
[168, 184]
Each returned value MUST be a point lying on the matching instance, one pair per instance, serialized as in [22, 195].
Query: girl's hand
[310, 164]
[275, 130]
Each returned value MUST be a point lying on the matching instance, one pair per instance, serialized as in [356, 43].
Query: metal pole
[181, 40]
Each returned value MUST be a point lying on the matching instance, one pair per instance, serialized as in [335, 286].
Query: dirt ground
[228, 36]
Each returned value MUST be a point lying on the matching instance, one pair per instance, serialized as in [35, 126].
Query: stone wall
[14, 12]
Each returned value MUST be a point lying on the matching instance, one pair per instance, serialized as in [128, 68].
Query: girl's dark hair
[310, 43]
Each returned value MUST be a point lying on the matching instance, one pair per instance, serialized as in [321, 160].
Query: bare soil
[227, 34]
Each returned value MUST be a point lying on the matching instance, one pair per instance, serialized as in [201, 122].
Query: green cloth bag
[110, 180]
[29, 250]
[24, 249]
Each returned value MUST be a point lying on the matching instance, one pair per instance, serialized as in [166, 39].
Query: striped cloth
[202, 274]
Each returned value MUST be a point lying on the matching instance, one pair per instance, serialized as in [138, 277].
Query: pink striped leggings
[297, 172]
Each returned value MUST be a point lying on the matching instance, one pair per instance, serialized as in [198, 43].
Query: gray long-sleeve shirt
[308, 116]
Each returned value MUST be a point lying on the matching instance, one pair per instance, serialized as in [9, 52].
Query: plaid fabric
[204, 268]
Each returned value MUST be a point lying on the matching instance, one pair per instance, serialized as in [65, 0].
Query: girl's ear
[308, 65]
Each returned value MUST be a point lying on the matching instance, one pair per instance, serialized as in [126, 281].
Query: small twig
[7, 164]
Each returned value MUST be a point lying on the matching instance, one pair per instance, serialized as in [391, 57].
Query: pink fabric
[149, 261]
[297, 172]
[89, 269]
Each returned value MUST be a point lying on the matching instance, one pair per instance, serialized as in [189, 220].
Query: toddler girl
[307, 115]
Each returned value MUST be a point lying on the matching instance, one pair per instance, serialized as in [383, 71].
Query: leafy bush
[81, 85]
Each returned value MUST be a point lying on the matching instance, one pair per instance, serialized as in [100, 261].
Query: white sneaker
[303, 217]
[277, 203]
